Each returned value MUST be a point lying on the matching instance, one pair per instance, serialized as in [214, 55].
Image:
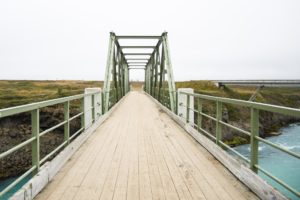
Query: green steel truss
[159, 79]
[116, 83]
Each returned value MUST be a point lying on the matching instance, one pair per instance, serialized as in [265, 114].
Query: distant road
[266, 83]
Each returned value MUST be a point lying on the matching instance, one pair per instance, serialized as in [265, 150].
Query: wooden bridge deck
[140, 153]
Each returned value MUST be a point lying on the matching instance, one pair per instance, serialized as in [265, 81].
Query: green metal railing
[34, 108]
[162, 95]
[253, 134]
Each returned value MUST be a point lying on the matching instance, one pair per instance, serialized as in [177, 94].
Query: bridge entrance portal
[124, 56]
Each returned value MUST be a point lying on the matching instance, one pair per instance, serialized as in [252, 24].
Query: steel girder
[159, 78]
[116, 82]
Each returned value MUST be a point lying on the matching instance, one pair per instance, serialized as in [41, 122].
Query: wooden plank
[133, 178]
[167, 179]
[155, 178]
[184, 184]
[101, 178]
[144, 179]
[198, 186]
[88, 187]
[120, 191]
[207, 181]
[48, 190]
[112, 173]
[219, 179]
[75, 175]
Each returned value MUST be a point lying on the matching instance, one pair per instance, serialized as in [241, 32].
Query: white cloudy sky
[209, 39]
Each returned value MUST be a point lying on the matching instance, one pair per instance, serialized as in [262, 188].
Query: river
[282, 165]
[5, 183]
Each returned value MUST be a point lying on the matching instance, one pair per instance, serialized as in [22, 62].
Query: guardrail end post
[92, 106]
[182, 103]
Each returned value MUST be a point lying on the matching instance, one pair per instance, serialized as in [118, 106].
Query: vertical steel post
[254, 142]
[127, 79]
[156, 73]
[114, 71]
[35, 145]
[187, 108]
[168, 64]
[115, 96]
[145, 81]
[152, 76]
[83, 113]
[108, 72]
[120, 74]
[93, 108]
[199, 116]
[218, 124]
[161, 72]
[67, 124]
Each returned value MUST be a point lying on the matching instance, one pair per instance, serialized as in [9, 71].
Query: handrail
[260, 106]
[254, 133]
[34, 108]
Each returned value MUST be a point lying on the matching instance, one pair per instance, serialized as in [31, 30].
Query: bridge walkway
[141, 153]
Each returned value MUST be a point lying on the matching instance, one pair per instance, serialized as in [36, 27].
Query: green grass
[289, 97]
[14, 93]
[18, 92]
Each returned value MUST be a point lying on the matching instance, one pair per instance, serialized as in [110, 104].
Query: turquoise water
[5, 183]
[282, 165]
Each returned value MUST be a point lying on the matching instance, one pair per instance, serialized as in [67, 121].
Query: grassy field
[278, 96]
[13, 93]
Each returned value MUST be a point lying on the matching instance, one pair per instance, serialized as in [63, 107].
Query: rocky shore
[17, 129]
[270, 125]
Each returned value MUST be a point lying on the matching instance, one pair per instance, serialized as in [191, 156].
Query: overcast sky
[211, 39]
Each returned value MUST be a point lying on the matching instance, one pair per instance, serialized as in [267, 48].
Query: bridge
[145, 144]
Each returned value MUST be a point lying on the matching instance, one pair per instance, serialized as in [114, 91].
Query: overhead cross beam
[159, 80]
[137, 47]
[137, 54]
[128, 59]
[137, 68]
[138, 37]
[130, 62]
